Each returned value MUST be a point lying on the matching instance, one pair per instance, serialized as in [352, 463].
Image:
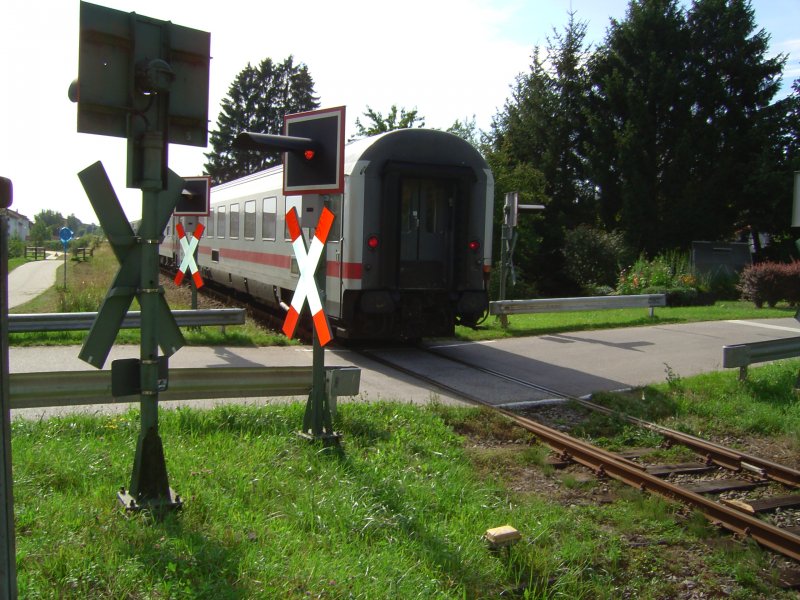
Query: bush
[667, 271]
[16, 247]
[771, 282]
[593, 257]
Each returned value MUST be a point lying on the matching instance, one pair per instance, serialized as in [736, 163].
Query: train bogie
[409, 252]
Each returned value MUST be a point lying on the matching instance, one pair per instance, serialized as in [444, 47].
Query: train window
[221, 222]
[211, 220]
[269, 218]
[250, 220]
[234, 220]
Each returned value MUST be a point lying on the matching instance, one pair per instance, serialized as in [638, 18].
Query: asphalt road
[31, 279]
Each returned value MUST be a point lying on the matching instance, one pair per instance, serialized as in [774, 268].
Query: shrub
[16, 247]
[770, 282]
[666, 271]
[593, 257]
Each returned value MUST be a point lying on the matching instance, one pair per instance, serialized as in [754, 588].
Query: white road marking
[765, 325]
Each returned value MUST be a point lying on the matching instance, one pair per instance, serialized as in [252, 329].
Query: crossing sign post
[145, 80]
[313, 163]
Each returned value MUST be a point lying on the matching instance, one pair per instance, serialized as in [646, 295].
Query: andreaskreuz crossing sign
[188, 248]
[306, 288]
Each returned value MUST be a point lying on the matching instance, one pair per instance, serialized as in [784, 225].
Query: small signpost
[65, 233]
[313, 164]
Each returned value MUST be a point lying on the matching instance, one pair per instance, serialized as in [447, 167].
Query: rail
[23, 323]
[72, 388]
[743, 355]
[542, 305]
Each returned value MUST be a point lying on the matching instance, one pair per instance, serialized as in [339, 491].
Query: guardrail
[71, 388]
[541, 305]
[22, 323]
[743, 355]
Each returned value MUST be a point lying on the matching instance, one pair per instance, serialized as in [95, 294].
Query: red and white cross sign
[306, 285]
[188, 248]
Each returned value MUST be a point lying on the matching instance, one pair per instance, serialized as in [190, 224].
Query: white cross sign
[306, 286]
[188, 248]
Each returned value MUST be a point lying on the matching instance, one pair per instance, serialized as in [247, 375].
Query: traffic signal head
[195, 197]
[317, 170]
[313, 162]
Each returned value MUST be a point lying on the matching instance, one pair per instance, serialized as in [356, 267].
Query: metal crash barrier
[23, 323]
[743, 355]
[72, 388]
[542, 305]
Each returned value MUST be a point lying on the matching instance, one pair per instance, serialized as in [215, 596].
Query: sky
[449, 59]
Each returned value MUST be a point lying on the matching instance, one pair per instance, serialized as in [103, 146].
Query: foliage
[665, 132]
[467, 130]
[541, 129]
[16, 247]
[257, 101]
[666, 271]
[393, 120]
[593, 257]
[769, 283]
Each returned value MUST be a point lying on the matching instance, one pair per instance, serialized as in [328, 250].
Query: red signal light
[309, 154]
[373, 242]
[474, 245]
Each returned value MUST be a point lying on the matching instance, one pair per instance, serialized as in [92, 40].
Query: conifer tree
[257, 101]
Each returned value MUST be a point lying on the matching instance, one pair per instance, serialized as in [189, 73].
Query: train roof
[421, 146]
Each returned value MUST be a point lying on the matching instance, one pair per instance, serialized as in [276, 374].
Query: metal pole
[8, 562]
[149, 482]
[317, 421]
[65, 266]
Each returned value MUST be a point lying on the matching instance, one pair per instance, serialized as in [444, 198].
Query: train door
[426, 207]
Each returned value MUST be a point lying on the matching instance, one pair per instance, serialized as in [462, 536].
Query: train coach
[409, 252]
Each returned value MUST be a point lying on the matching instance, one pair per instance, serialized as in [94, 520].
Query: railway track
[733, 470]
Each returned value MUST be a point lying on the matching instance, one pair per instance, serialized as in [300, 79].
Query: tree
[638, 116]
[257, 101]
[543, 125]
[393, 120]
[733, 82]
[680, 122]
[467, 130]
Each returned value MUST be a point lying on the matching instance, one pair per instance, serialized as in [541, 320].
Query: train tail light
[373, 242]
[474, 245]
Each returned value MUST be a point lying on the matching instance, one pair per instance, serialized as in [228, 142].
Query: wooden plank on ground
[764, 505]
[715, 486]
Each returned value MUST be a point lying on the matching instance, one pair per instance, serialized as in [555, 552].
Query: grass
[399, 512]
[717, 404]
[550, 323]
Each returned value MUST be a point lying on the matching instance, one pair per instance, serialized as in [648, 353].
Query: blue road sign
[65, 233]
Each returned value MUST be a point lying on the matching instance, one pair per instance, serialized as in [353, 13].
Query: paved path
[31, 279]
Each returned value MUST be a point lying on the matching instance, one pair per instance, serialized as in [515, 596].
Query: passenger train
[409, 252]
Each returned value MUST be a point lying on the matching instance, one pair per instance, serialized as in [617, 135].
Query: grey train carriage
[409, 252]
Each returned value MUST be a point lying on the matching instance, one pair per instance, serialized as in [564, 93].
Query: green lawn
[399, 512]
